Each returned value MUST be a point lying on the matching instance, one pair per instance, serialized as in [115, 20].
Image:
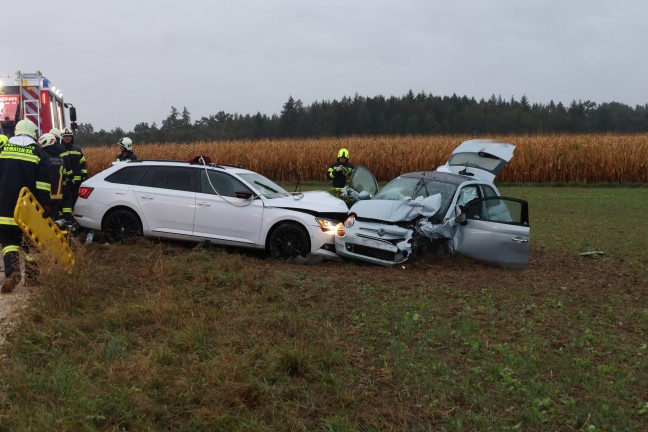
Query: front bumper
[375, 243]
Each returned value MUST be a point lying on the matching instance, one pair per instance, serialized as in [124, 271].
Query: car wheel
[121, 225]
[288, 240]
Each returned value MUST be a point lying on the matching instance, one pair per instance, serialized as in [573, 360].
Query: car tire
[121, 225]
[288, 240]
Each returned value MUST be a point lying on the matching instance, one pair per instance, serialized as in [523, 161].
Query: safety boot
[11, 282]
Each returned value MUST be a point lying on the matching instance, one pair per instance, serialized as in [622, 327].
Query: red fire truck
[32, 96]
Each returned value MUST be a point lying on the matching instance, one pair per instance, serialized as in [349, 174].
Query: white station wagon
[201, 201]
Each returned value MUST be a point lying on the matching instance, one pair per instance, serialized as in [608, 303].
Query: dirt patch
[10, 307]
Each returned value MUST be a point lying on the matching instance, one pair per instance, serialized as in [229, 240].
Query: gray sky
[124, 62]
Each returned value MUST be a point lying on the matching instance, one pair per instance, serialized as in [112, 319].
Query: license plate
[376, 244]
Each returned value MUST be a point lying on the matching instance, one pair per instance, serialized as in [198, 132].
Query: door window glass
[176, 178]
[219, 183]
[467, 194]
[497, 209]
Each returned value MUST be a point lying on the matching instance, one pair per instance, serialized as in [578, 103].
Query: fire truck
[32, 96]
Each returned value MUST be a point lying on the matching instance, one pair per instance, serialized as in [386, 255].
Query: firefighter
[22, 163]
[3, 141]
[339, 170]
[67, 173]
[126, 154]
[57, 172]
[79, 171]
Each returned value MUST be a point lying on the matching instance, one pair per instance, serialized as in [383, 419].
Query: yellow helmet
[26, 127]
[3, 140]
[343, 153]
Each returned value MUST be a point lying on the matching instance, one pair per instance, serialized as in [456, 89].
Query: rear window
[131, 175]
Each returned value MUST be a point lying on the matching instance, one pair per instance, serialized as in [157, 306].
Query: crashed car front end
[404, 230]
[374, 242]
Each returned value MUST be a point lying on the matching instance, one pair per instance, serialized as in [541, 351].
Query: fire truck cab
[32, 96]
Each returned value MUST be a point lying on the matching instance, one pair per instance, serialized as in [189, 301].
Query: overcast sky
[124, 62]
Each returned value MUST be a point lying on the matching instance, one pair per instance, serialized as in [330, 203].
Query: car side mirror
[243, 195]
[364, 195]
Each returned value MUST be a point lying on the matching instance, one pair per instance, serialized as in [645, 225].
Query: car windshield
[264, 186]
[403, 188]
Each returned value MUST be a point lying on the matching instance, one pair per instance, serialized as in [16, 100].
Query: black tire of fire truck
[121, 226]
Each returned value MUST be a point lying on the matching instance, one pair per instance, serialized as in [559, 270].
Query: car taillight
[84, 192]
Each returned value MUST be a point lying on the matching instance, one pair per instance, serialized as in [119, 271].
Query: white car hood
[316, 201]
[397, 211]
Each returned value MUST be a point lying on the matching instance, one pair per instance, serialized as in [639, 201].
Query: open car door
[363, 180]
[479, 159]
[496, 230]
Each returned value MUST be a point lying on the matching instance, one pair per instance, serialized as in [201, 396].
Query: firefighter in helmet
[22, 163]
[126, 154]
[68, 175]
[57, 173]
[79, 171]
[340, 170]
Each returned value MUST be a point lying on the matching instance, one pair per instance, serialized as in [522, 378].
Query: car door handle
[203, 204]
[520, 240]
[146, 197]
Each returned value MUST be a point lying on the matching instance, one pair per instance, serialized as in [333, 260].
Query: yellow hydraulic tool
[42, 232]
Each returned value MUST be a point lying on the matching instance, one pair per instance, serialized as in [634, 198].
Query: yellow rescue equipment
[42, 232]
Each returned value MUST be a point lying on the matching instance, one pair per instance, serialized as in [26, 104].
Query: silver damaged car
[455, 209]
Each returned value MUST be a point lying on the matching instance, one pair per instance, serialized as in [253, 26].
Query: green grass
[581, 219]
[159, 336]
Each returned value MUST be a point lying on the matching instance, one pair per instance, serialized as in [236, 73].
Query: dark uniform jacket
[339, 177]
[77, 162]
[22, 163]
[58, 172]
[126, 156]
[67, 163]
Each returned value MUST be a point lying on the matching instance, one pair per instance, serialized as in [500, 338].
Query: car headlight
[326, 224]
[348, 223]
[340, 230]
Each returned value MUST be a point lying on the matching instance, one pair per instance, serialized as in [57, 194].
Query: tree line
[411, 114]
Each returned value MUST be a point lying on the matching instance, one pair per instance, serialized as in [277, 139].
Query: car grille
[380, 239]
[373, 252]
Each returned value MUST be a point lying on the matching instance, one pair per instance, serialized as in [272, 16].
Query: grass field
[164, 336]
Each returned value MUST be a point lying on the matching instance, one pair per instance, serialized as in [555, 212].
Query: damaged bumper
[375, 243]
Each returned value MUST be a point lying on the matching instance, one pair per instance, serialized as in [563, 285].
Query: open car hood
[479, 159]
[397, 211]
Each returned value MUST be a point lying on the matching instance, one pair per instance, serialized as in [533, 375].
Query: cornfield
[537, 159]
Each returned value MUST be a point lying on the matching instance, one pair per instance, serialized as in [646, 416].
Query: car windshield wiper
[265, 187]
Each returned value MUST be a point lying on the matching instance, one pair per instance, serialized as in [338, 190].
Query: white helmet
[26, 127]
[47, 139]
[67, 131]
[56, 132]
[126, 142]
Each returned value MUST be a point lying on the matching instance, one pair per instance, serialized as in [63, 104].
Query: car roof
[185, 163]
[440, 176]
